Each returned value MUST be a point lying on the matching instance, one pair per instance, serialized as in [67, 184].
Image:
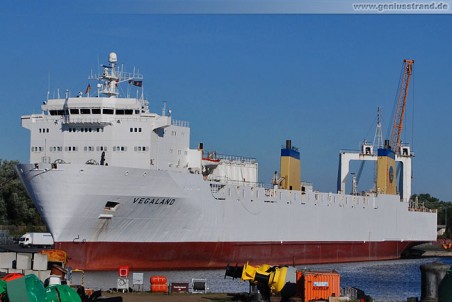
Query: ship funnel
[290, 167]
[386, 170]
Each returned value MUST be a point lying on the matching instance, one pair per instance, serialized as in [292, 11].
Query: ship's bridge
[93, 110]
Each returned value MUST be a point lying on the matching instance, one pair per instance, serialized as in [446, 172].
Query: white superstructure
[107, 130]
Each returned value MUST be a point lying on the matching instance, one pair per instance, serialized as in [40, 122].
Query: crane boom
[399, 115]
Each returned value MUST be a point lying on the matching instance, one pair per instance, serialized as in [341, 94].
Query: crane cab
[404, 151]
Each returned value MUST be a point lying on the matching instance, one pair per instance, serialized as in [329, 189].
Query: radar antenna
[112, 76]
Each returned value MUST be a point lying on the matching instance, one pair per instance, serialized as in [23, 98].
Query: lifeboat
[210, 162]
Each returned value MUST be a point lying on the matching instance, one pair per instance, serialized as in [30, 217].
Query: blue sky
[246, 83]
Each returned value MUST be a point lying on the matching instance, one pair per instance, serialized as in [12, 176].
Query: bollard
[431, 276]
[445, 288]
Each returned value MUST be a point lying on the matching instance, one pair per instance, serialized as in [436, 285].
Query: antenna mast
[378, 137]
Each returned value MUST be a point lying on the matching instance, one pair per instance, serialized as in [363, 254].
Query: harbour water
[383, 280]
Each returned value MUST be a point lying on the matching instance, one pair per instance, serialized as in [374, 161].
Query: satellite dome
[112, 58]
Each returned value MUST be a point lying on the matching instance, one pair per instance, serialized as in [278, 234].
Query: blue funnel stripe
[291, 153]
[386, 152]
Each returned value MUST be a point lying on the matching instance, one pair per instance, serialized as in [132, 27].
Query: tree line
[16, 208]
[444, 210]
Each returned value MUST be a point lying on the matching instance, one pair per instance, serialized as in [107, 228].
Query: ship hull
[106, 217]
[212, 255]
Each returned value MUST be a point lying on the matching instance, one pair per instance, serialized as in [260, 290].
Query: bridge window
[58, 112]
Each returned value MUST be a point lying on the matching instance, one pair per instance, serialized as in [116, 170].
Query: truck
[36, 240]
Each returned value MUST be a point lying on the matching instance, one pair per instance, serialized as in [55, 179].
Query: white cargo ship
[119, 185]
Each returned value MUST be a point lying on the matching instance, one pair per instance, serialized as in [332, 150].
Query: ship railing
[84, 120]
[180, 123]
[131, 75]
[34, 117]
[349, 151]
[109, 119]
[229, 158]
[234, 158]
[307, 184]
[319, 198]
[343, 200]
[122, 75]
[221, 181]
[417, 206]
[219, 191]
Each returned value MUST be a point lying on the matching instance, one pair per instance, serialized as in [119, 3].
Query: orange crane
[399, 114]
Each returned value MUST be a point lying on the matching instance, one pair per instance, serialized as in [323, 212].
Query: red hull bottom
[210, 255]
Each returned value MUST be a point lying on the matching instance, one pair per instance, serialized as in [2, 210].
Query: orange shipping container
[299, 283]
[319, 285]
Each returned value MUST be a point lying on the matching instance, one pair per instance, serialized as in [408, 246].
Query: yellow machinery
[268, 279]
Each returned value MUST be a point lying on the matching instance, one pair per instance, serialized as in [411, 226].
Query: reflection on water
[383, 280]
